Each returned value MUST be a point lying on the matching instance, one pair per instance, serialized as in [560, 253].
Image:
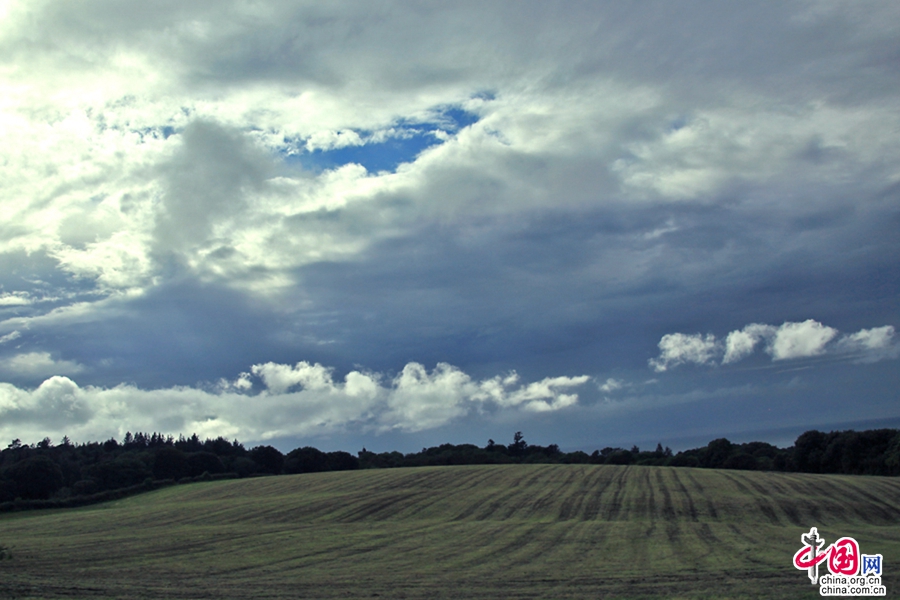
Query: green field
[505, 531]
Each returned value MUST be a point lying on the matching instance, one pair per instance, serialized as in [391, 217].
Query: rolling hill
[499, 531]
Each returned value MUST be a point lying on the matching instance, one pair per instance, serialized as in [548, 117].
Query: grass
[501, 531]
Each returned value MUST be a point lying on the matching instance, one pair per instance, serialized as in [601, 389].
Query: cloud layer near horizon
[300, 400]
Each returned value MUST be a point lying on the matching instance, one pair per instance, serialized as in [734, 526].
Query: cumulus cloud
[790, 340]
[292, 400]
[870, 345]
[546, 395]
[800, 340]
[278, 378]
[680, 348]
[740, 344]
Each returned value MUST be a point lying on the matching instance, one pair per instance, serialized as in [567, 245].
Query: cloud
[13, 335]
[790, 340]
[740, 344]
[168, 145]
[299, 400]
[36, 364]
[546, 395]
[279, 378]
[611, 385]
[870, 345]
[800, 340]
[15, 299]
[680, 348]
[550, 186]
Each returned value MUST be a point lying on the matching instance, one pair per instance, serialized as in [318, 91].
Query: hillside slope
[512, 531]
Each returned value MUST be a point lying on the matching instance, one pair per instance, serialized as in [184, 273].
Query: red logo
[844, 559]
[842, 555]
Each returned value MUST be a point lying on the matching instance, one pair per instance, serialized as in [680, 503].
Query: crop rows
[514, 531]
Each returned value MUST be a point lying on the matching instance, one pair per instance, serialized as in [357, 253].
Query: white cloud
[278, 378]
[800, 340]
[790, 340]
[870, 345]
[679, 348]
[611, 385]
[13, 335]
[740, 344]
[419, 400]
[876, 338]
[141, 144]
[546, 395]
[15, 299]
[299, 400]
[37, 364]
[728, 143]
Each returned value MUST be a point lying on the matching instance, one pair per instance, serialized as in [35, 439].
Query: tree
[269, 459]
[222, 447]
[170, 463]
[342, 461]
[808, 451]
[892, 455]
[742, 461]
[36, 478]
[121, 472]
[717, 452]
[8, 490]
[305, 460]
[204, 462]
[619, 456]
[517, 448]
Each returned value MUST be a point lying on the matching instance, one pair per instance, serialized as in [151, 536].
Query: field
[511, 531]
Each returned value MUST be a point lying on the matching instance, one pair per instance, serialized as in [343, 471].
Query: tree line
[66, 474]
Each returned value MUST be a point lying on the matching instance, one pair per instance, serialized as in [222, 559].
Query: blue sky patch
[409, 140]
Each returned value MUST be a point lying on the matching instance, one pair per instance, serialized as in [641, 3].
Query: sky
[402, 224]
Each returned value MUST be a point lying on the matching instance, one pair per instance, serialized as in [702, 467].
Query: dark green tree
[170, 463]
[120, 472]
[717, 452]
[36, 478]
[517, 448]
[341, 461]
[306, 460]
[809, 450]
[204, 462]
[269, 459]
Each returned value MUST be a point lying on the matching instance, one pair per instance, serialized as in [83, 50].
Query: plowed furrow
[685, 495]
